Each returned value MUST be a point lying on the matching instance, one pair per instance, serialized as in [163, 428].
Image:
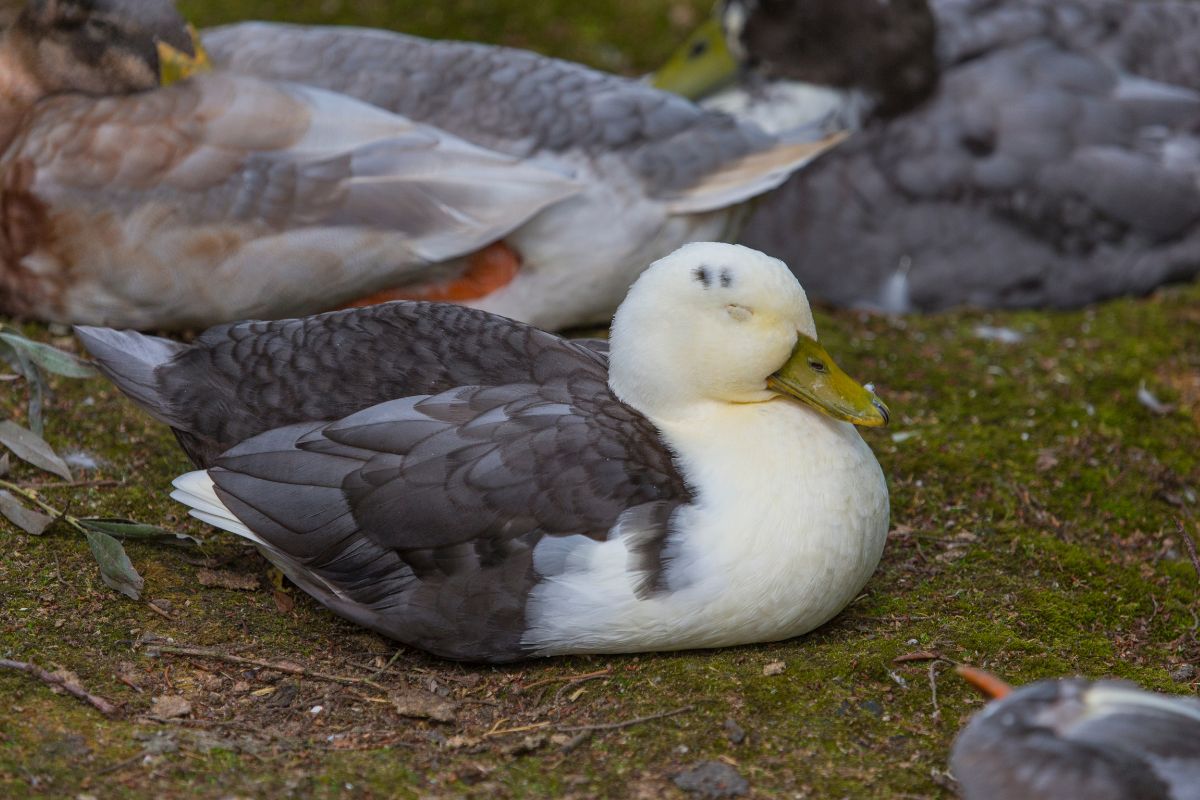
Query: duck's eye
[699, 48]
[739, 313]
[817, 366]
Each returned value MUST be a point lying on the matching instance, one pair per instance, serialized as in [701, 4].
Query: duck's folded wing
[236, 381]
[523, 103]
[221, 149]
[422, 517]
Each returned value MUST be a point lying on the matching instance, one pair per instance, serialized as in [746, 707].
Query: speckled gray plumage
[509, 100]
[401, 462]
[1032, 177]
[1045, 741]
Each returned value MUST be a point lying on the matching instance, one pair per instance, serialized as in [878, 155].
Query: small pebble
[734, 732]
[712, 780]
[1183, 673]
[774, 668]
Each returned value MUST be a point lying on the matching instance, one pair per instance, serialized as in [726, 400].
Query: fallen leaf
[228, 580]
[28, 520]
[28, 446]
[420, 704]
[1047, 460]
[116, 570]
[284, 602]
[774, 668]
[128, 529]
[50, 358]
[170, 707]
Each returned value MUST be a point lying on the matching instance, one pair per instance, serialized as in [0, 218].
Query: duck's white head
[716, 322]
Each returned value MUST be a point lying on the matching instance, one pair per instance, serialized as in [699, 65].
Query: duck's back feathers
[239, 380]
[516, 102]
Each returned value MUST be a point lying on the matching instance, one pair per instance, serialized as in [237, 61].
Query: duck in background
[1075, 738]
[654, 173]
[486, 491]
[1026, 153]
[131, 203]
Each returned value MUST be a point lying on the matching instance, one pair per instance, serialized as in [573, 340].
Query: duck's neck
[19, 87]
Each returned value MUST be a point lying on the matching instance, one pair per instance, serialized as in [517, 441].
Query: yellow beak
[175, 65]
[700, 66]
[812, 377]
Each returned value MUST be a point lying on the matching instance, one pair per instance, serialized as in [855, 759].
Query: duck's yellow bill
[811, 376]
[700, 66]
[174, 65]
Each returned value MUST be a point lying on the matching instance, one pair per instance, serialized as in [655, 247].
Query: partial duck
[1075, 738]
[227, 196]
[1009, 154]
[218, 197]
[655, 173]
[483, 490]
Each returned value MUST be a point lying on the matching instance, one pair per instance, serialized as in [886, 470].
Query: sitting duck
[483, 490]
[1028, 153]
[223, 196]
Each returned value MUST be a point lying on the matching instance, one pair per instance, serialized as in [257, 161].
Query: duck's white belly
[789, 523]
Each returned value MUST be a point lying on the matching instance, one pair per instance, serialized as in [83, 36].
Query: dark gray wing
[239, 380]
[419, 517]
[1035, 176]
[509, 100]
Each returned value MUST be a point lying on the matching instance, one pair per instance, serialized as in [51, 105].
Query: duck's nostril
[887, 417]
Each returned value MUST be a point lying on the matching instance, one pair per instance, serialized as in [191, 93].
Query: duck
[487, 491]
[1023, 154]
[1073, 737]
[633, 148]
[166, 194]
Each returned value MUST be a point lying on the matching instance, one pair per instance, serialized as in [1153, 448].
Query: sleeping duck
[1010, 154]
[225, 196]
[654, 173]
[1074, 738]
[483, 490]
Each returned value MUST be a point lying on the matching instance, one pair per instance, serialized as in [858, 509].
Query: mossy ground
[1034, 501]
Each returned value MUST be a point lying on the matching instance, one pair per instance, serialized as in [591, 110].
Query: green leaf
[128, 529]
[28, 520]
[28, 446]
[50, 358]
[116, 569]
[37, 390]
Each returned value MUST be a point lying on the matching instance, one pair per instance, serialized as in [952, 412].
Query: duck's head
[106, 46]
[724, 323]
[884, 48]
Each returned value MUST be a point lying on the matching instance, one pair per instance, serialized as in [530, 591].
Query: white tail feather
[195, 490]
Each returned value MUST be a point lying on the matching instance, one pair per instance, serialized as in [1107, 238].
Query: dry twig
[73, 689]
[290, 669]
[612, 726]
[1190, 545]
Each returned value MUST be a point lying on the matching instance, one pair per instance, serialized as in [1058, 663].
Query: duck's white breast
[788, 523]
